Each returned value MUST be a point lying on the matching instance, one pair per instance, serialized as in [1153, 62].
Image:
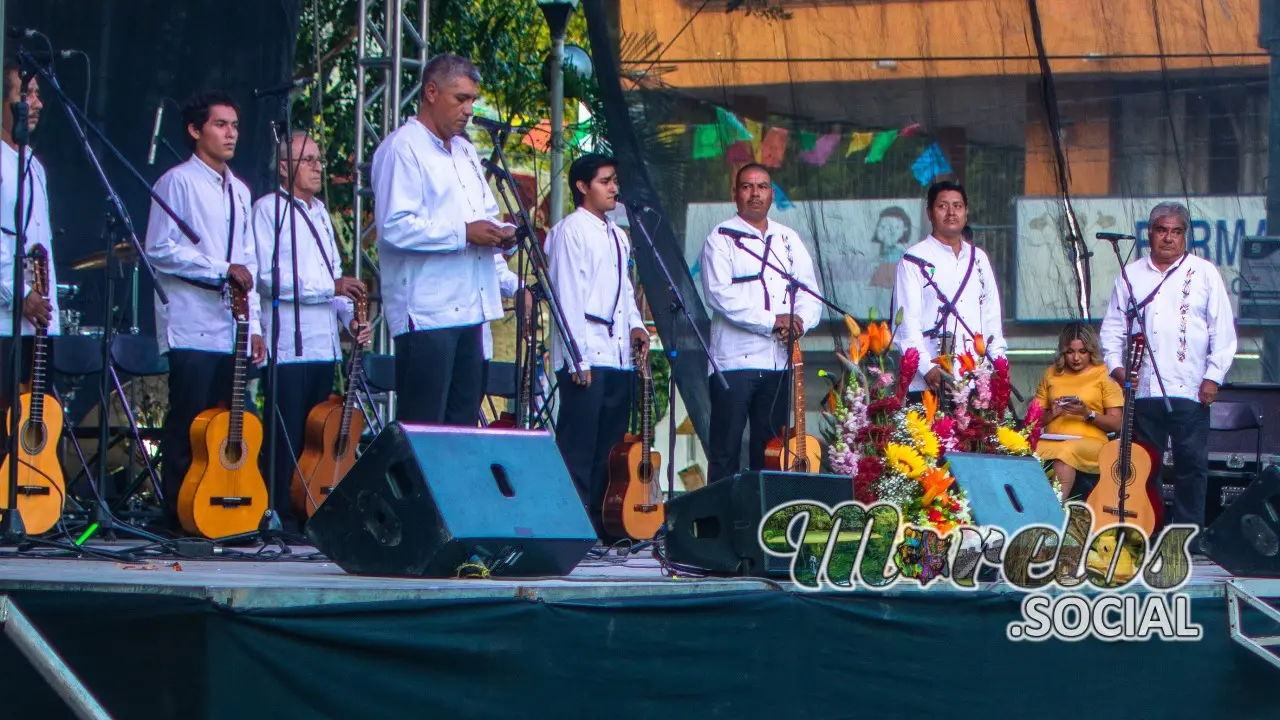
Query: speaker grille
[776, 488]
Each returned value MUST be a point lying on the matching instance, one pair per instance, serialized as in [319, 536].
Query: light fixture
[885, 64]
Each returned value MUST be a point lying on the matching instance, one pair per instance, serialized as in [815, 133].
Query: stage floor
[296, 581]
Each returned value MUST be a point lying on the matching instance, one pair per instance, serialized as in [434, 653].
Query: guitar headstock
[38, 262]
[362, 311]
[640, 357]
[1137, 347]
[239, 302]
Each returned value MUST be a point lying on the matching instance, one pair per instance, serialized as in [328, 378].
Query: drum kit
[146, 396]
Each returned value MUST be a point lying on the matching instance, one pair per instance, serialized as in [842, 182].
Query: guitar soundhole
[339, 447]
[645, 472]
[1122, 479]
[232, 455]
[33, 438]
[801, 465]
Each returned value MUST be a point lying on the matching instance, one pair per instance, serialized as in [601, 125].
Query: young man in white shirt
[437, 231]
[590, 271]
[755, 319]
[36, 310]
[964, 275]
[196, 329]
[1191, 333]
[324, 301]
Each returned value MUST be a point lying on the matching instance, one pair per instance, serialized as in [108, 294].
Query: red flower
[870, 467]
[1000, 386]
[935, 516]
[907, 370]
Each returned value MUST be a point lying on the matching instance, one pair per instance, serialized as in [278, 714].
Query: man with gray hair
[324, 301]
[437, 231]
[1191, 334]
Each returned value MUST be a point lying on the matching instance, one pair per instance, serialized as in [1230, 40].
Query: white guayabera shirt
[38, 231]
[217, 208]
[321, 311]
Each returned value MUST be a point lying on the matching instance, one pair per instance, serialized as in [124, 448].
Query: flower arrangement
[892, 451]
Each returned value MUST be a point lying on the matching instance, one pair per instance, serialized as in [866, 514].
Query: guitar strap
[231, 236]
[315, 233]
[617, 296]
[1152, 295]
[943, 314]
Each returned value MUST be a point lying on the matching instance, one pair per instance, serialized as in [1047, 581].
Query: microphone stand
[79, 122]
[677, 303]
[12, 529]
[950, 309]
[537, 257]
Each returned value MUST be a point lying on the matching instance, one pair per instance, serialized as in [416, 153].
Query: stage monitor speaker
[1006, 491]
[1245, 539]
[715, 527]
[424, 501]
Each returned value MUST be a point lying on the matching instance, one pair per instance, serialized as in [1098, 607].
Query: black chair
[1237, 416]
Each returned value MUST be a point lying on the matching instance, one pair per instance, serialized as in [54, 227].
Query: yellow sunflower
[904, 459]
[1012, 441]
[921, 435]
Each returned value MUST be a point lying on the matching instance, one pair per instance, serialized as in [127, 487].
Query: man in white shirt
[962, 273]
[1191, 334]
[436, 235]
[324, 301]
[36, 310]
[755, 319]
[196, 329]
[590, 271]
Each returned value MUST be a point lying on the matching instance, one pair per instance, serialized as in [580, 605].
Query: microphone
[155, 134]
[639, 207]
[737, 234]
[924, 265]
[14, 31]
[493, 126]
[284, 88]
[1114, 236]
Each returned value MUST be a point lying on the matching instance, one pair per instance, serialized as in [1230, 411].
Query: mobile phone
[1068, 400]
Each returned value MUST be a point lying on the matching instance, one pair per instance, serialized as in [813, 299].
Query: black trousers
[438, 376]
[1188, 427]
[303, 385]
[24, 366]
[198, 380]
[758, 398]
[592, 420]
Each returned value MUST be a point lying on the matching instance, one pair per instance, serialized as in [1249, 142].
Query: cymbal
[97, 261]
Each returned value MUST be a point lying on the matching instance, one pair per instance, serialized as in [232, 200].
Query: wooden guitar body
[41, 484]
[630, 509]
[1143, 506]
[327, 457]
[803, 455]
[223, 493]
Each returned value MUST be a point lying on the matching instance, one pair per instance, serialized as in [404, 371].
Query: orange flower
[979, 345]
[880, 337]
[831, 401]
[944, 362]
[858, 347]
[936, 482]
[930, 406]
[967, 363]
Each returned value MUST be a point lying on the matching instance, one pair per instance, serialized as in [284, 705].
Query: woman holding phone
[1081, 405]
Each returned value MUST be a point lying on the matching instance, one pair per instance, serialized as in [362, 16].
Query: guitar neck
[39, 357]
[797, 383]
[236, 431]
[349, 402]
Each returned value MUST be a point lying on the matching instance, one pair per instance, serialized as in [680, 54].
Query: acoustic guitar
[798, 451]
[633, 501]
[1126, 492]
[333, 431]
[41, 485]
[223, 493]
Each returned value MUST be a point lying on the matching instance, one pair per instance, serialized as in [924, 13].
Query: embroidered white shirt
[745, 311]
[197, 318]
[591, 275]
[922, 309]
[424, 196]
[322, 313]
[1189, 326]
[39, 231]
[507, 285]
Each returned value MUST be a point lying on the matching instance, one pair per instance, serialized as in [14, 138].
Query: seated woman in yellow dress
[1079, 400]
